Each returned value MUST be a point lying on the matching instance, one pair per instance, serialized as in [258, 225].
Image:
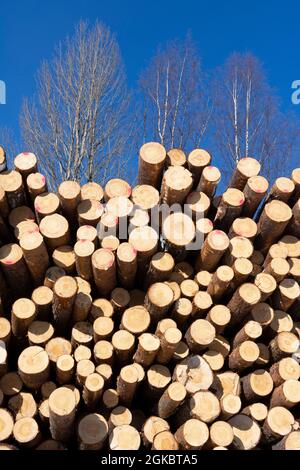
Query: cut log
[127, 383]
[243, 356]
[257, 411]
[246, 432]
[103, 328]
[92, 432]
[35, 255]
[179, 232]
[171, 399]
[87, 232]
[69, 195]
[147, 349]
[204, 406]
[197, 160]
[136, 320]
[197, 205]
[160, 267]
[280, 267]
[91, 190]
[215, 359]
[272, 222]
[39, 333]
[123, 344]
[62, 414]
[5, 330]
[110, 243]
[57, 347]
[262, 313]
[104, 271]
[127, 264]
[64, 293]
[246, 168]
[2, 159]
[220, 434]
[290, 442]
[168, 344]
[12, 183]
[65, 366]
[153, 426]
[52, 275]
[182, 311]
[257, 385]
[82, 334]
[116, 187]
[55, 230]
[26, 432]
[145, 197]
[164, 440]
[230, 207]
[120, 299]
[15, 269]
[220, 282]
[103, 352]
[194, 373]
[110, 398]
[252, 330]
[33, 366]
[92, 390]
[83, 251]
[283, 345]
[11, 384]
[101, 308]
[242, 301]
[158, 300]
[287, 293]
[22, 405]
[209, 180]
[22, 315]
[215, 245]
[124, 437]
[203, 278]
[175, 157]
[82, 352]
[287, 394]
[152, 157]
[192, 435]
[200, 335]
[243, 227]
[230, 405]
[285, 369]
[176, 185]
[219, 316]
[46, 204]
[144, 240]
[278, 424]
[158, 378]
[83, 369]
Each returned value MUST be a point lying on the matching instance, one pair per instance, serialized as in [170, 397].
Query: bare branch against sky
[77, 121]
[247, 120]
[175, 104]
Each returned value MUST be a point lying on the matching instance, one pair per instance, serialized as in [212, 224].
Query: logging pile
[119, 333]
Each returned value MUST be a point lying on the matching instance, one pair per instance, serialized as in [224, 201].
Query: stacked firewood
[124, 325]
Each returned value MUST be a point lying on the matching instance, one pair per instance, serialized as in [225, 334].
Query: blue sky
[30, 29]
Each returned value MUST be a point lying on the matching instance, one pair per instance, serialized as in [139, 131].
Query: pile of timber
[125, 338]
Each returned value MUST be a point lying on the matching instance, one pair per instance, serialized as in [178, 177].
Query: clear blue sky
[30, 29]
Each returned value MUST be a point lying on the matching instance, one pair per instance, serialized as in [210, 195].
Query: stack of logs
[129, 339]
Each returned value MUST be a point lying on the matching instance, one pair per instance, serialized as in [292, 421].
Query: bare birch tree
[9, 142]
[76, 123]
[176, 107]
[247, 120]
